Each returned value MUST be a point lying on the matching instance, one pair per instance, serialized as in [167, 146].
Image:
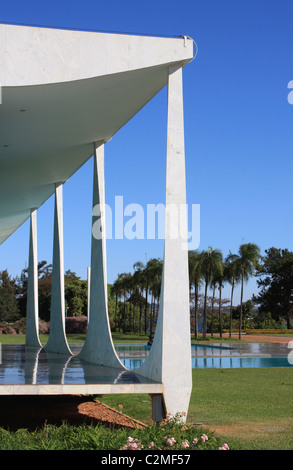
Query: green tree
[247, 310]
[276, 284]
[115, 290]
[75, 297]
[195, 280]
[139, 285]
[218, 280]
[150, 279]
[249, 259]
[232, 275]
[211, 262]
[9, 310]
[125, 287]
[154, 269]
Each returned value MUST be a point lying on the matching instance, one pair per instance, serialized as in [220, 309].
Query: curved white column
[32, 311]
[169, 360]
[57, 341]
[98, 347]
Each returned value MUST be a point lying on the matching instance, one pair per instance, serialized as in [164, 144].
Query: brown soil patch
[33, 412]
[249, 429]
[266, 339]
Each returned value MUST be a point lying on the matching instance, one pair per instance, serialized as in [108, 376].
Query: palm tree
[115, 291]
[217, 282]
[249, 257]
[195, 278]
[124, 280]
[138, 279]
[213, 286]
[233, 276]
[211, 262]
[221, 279]
[148, 279]
[154, 270]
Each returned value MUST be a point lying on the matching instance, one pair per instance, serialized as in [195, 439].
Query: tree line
[133, 298]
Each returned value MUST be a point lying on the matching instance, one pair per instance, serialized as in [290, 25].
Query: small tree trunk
[220, 313]
[231, 305]
[146, 311]
[196, 311]
[212, 323]
[241, 302]
[204, 326]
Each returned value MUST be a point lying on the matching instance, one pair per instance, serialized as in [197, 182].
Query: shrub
[44, 327]
[8, 330]
[76, 325]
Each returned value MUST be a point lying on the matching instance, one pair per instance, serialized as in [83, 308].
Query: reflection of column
[57, 341]
[98, 347]
[169, 360]
[57, 365]
[32, 311]
[31, 358]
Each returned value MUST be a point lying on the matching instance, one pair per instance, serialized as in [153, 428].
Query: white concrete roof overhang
[61, 91]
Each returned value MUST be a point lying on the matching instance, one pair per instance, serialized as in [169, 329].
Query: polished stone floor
[24, 365]
[29, 365]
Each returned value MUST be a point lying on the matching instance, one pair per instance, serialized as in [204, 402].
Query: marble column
[32, 310]
[169, 360]
[57, 341]
[98, 347]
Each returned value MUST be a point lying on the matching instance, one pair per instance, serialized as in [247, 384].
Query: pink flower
[129, 439]
[224, 447]
[151, 445]
[133, 446]
[204, 438]
[185, 445]
[171, 441]
[195, 441]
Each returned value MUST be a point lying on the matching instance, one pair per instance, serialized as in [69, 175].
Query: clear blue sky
[238, 129]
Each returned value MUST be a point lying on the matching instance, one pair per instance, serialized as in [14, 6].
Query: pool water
[221, 362]
[216, 356]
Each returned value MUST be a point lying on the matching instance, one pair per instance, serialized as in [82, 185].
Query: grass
[117, 338]
[76, 338]
[89, 437]
[250, 409]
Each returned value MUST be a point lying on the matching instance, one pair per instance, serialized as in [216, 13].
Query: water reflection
[223, 362]
[30, 365]
[223, 357]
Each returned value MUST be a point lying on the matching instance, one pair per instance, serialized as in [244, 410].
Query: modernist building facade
[64, 94]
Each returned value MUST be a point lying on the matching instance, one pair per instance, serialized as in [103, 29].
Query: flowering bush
[177, 418]
[171, 433]
[166, 442]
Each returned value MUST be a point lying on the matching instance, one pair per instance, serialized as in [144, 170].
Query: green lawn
[247, 408]
[76, 338]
